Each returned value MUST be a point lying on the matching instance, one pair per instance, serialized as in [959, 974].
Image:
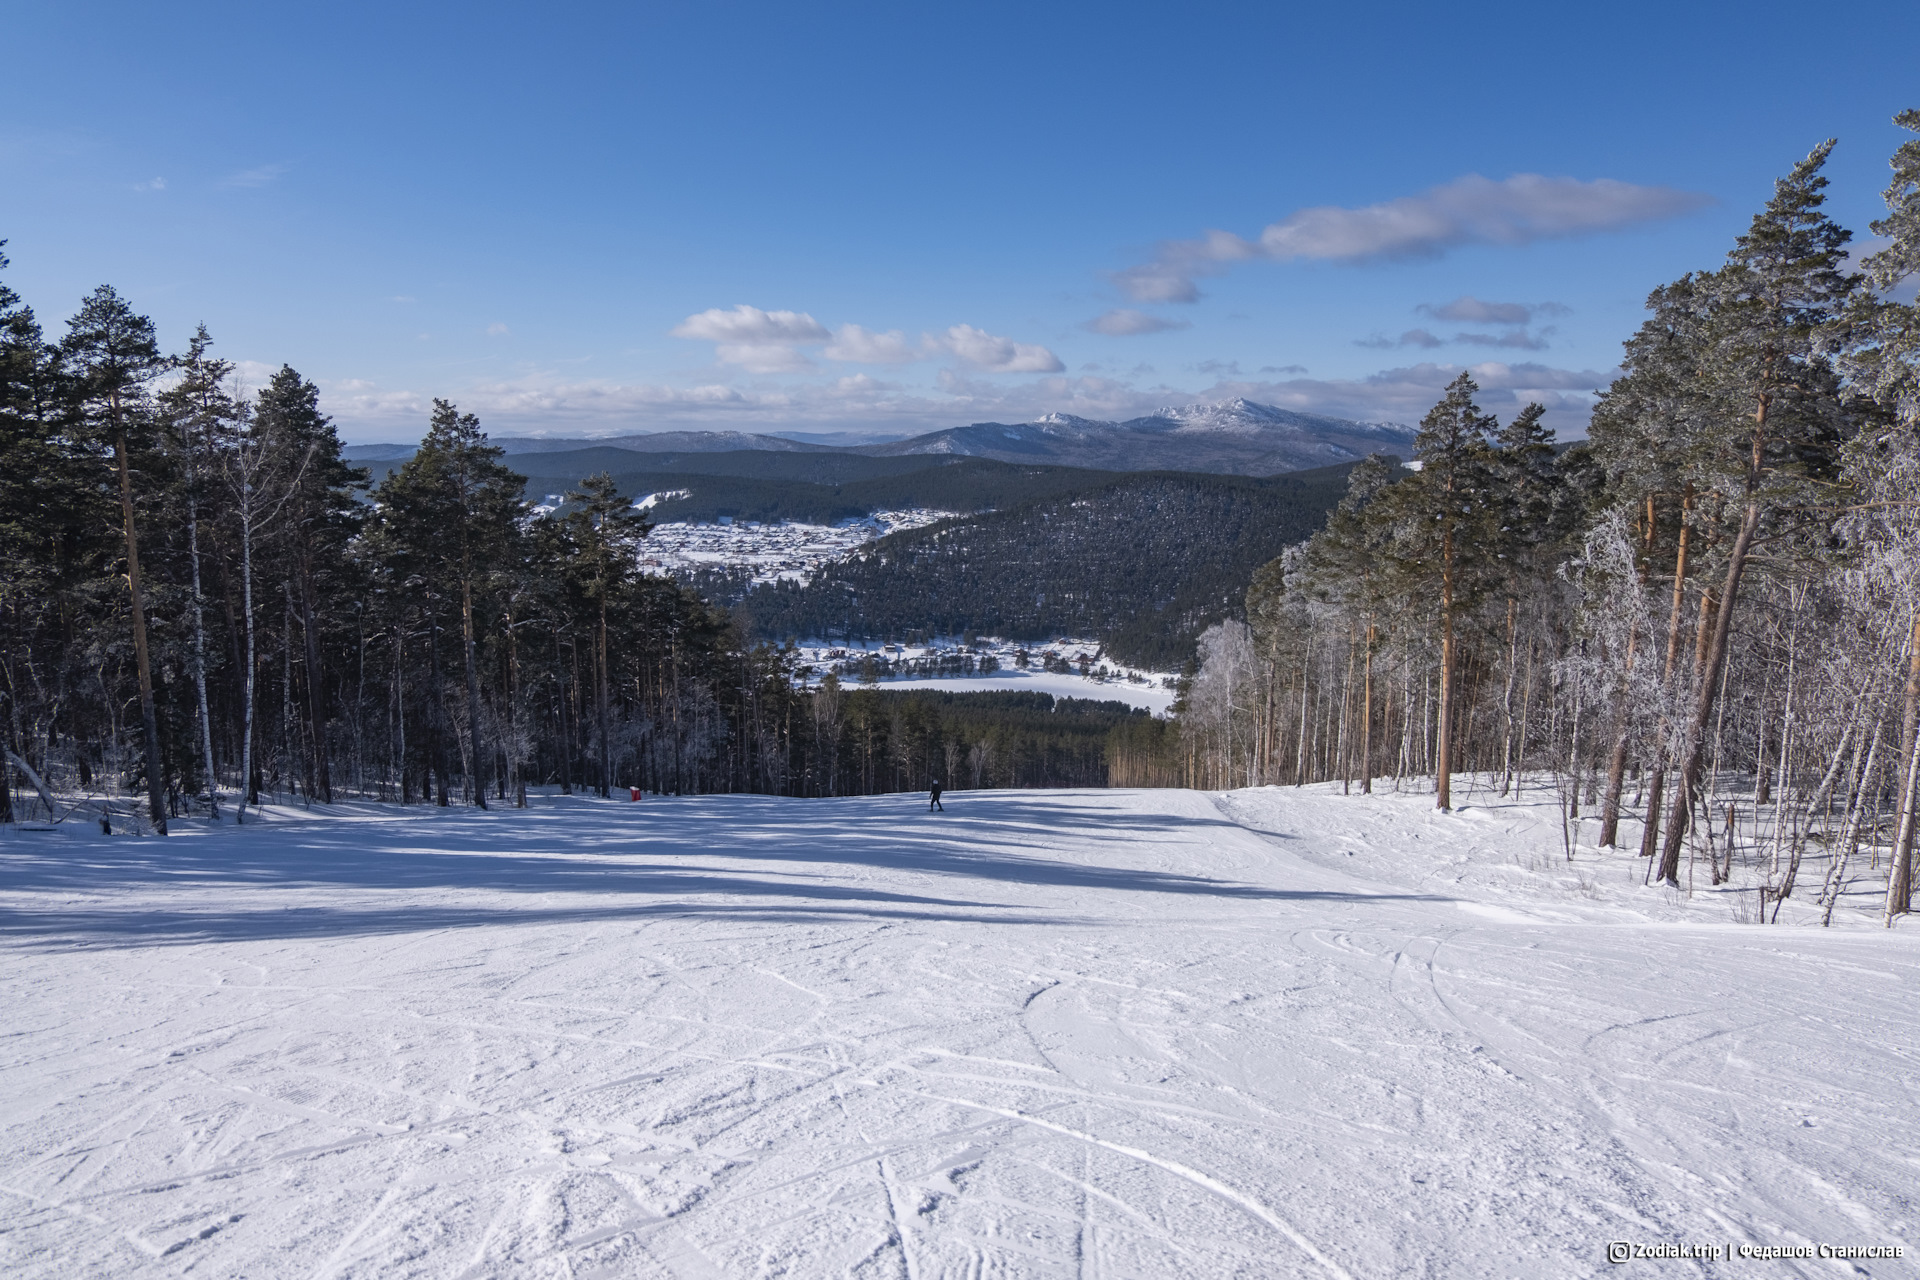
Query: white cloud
[762, 357]
[755, 340]
[1405, 394]
[1160, 282]
[554, 406]
[994, 354]
[750, 326]
[259, 176]
[1124, 322]
[156, 184]
[497, 330]
[1411, 338]
[1517, 338]
[1471, 310]
[1520, 339]
[1468, 210]
[770, 341]
[853, 344]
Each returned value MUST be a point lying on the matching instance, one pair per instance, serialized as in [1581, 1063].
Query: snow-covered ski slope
[1090, 1034]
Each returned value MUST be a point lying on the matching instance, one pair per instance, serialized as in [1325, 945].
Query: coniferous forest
[1702, 623]
[1144, 563]
[202, 605]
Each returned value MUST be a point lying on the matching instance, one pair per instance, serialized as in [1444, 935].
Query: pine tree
[1772, 445]
[28, 480]
[1443, 515]
[1347, 565]
[606, 533]
[110, 357]
[319, 515]
[1531, 520]
[456, 509]
[1643, 433]
[201, 416]
[1881, 344]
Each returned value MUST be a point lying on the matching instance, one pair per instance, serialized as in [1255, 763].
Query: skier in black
[934, 803]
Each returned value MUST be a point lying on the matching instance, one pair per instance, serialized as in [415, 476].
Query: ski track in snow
[1094, 1034]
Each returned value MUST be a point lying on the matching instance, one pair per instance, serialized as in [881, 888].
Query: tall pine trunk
[1900, 875]
[200, 660]
[248, 792]
[1617, 761]
[1715, 657]
[566, 731]
[316, 691]
[1506, 696]
[437, 714]
[149, 718]
[1650, 837]
[1366, 713]
[1443, 763]
[601, 674]
[477, 754]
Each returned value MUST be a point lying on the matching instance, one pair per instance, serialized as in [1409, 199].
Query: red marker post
[633, 793]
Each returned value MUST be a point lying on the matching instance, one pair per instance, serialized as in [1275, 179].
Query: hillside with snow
[1053, 1034]
[1237, 437]
[1234, 437]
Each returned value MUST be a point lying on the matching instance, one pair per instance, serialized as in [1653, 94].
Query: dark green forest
[901, 740]
[202, 603]
[1143, 562]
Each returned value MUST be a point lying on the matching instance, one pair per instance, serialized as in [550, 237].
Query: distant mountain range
[1238, 437]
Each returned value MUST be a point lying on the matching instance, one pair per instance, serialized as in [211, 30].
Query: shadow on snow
[637, 853]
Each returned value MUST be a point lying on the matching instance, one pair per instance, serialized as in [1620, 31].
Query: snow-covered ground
[907, 666]
[1077, 1033]
[1151, 697]
[783, 549]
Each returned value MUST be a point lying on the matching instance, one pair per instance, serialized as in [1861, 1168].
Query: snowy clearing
[1089, 1033]
[1053, 667]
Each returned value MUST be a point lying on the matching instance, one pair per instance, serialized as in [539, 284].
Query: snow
[1074, 1033]
[1105, 681]
[784, 549]
[1154, 698]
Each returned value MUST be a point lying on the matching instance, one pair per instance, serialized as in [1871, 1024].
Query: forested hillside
[1144, 562]
[819, 467]
[749, 486]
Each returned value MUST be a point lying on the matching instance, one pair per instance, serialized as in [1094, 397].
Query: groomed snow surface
[1072, 1033]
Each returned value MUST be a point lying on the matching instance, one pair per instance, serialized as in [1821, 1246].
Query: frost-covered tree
[1768, 452]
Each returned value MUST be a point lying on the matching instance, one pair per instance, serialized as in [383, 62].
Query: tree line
[202, 604]
[1703, 623]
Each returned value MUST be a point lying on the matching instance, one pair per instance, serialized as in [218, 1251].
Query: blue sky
[587, 219]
